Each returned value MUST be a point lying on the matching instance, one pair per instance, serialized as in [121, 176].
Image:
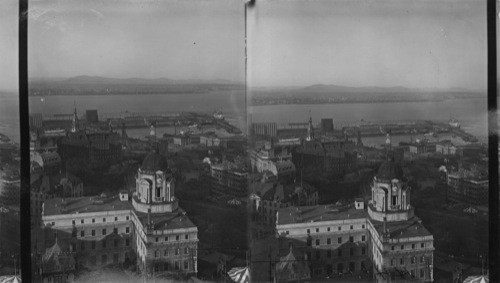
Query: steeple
[310, 129]
[75, 126]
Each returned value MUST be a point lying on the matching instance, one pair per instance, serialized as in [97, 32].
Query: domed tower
[155, 186]
[390, 194]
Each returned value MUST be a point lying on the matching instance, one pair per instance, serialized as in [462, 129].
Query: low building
[446, 148]
[467, 186]
[210, 140]
[49, 162]
[267, 198]
[228, 178]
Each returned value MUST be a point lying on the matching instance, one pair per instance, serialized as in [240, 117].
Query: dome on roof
[154, 162]
[390, 170]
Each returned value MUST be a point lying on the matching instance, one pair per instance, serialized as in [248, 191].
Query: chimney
[149, 216]
[384, 229]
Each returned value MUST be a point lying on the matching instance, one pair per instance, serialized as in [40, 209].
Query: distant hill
[82, 85]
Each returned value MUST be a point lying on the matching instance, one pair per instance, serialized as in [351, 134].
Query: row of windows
[177, 238]
[340, 253]
[104, 231]
[104, 244]
[328, 229]
[82, 221]
[177, 266]
[176, 251]
[413, 246]
[413, 260]
[339, 240]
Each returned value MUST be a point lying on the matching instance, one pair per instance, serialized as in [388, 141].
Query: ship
[454, 123]
[218, 115]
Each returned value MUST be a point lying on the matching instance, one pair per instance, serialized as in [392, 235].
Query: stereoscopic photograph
[259, 141]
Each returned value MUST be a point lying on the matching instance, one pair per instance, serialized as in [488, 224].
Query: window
[351, 239]
[328, 229]
[339, 240]
[186, 265]
[127, 218]
[309, 241]
[328, 241]
[116, 218]
[402, 247]
[104, 220]
[115, 230]
[93, 232]
[328, 253]
[93, 220]
[103, 244]
[103, 231]
[127, 242]
[93, 245]
[177, 238]
[363, 226]
[287, 232]
[363, 238]
[308, 231]
[186, 237]
[104, 259]
[339, 252]
[317, 230]
[186, 251]
[166, 239]
[422, 245]
[340, 228]
[177, 251]
[402, 261]
[317, 242]
[165, 252]
[157, 253]
[412, 246]
[176, 265]
[352, 227]
[82, 221]
[392, 247]
[127, 230]
[412, 260]
[53, 223]
[156, 239]
[422, 273]
[73, 222]
[422, 259]
[115, 243]
[363, 250]
[392, 262]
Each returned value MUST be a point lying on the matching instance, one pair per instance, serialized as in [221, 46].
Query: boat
[218, 115]
[454, 123]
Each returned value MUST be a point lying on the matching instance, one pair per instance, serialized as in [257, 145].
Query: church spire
[310, 129]
[75, 126]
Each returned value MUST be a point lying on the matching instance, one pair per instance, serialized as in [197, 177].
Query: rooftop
[168, 220]
[318, 213]
[84, 205]
[403, 229]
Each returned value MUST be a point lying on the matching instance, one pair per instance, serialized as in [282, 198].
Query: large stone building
[229, 179]
[383, 239]
[150, 228]
[468, 186]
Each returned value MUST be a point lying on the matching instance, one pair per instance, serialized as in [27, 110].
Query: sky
[175, 39]
[410, 43]
[9, 10]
